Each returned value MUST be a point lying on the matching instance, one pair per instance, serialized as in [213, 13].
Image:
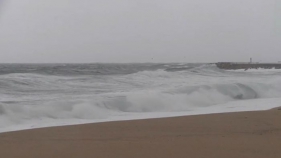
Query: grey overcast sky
[35, 31]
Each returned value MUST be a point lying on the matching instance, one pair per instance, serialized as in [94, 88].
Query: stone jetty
[246, 66]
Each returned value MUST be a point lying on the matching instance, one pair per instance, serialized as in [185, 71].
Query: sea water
[42, 95]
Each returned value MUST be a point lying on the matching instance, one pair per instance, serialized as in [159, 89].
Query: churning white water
[33, 96]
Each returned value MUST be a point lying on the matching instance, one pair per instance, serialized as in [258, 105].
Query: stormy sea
[43, 95]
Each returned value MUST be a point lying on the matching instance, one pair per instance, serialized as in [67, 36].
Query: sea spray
[34, 95]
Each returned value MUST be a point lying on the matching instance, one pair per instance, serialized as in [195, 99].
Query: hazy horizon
[139, 31]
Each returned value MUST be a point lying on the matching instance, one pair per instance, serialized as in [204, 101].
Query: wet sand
[229, 135]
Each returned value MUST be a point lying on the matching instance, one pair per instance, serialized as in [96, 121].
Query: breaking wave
[30, 99]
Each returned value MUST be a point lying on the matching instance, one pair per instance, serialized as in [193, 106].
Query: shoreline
[141, 117]
[236, 134]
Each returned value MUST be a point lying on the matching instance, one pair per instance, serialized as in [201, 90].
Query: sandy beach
[227, 135]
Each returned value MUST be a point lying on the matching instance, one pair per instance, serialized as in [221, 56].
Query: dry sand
[230, 135]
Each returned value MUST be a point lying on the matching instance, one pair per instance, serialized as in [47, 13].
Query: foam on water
[32, 100]
[234, 106]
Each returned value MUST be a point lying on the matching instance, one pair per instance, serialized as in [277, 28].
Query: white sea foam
[234, 106]
[39, 100]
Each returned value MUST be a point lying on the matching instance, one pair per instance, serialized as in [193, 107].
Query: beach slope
[228, 135]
